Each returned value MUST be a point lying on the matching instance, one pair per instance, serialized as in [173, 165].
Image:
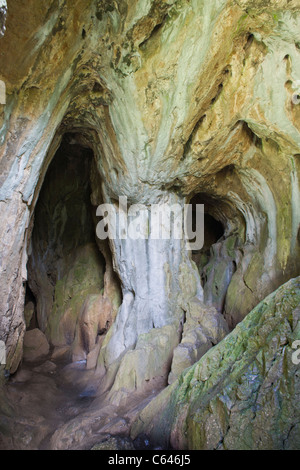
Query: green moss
[231, 243]
[241, 394]
[241, 25]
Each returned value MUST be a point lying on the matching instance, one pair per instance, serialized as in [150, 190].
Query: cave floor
[55, 405]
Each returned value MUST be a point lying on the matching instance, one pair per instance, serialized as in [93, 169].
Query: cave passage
[213, 231]
[217, 260]
[65, 266]
[71, 298]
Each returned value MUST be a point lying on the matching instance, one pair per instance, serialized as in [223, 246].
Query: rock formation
[165, 103]
[243, 394]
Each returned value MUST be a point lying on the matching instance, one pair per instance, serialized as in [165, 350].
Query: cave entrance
[30, 315]
[65, 299]
[213, 229]
[216, 261]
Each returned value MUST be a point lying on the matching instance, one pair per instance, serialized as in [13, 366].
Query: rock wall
[3, 10]
[243, 395]
[174, 99]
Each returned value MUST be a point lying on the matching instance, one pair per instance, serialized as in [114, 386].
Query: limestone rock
[160, 102]
[92, 356]
[83, 279]
[28, 313]
[114, 443]
[148, 363]
[36, 345]
[204, 327]
[60, 353]
[47, 367]
[228, 53]
[243, 394]
[188, 352]
[93, 322]
[217, 268]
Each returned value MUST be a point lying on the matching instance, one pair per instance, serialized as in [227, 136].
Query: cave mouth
[30, 315]
[65, 294]
[213, 228]
[217, 260]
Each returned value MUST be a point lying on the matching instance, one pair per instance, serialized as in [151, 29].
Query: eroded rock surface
[35, 345]
[243, 394]
[160, 102]
[171, 97]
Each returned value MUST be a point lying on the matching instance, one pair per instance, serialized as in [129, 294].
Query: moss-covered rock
[114, 443]
[244, 393]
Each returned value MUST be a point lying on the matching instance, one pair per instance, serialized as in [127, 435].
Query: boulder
[204, 327]
[36, 345]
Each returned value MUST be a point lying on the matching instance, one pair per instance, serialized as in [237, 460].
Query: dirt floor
[54, 405]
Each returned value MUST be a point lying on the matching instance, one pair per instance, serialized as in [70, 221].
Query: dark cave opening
[30, 315]
[216, 261]
[71, 294]
[66, 267]
[213, 229]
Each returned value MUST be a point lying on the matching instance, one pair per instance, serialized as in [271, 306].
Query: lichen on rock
[243, 394]
[162, 103]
